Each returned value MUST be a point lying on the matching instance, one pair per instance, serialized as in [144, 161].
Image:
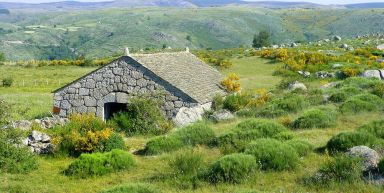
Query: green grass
[254, 73]
[155, 170]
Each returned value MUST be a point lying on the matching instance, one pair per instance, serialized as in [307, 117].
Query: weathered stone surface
[121, 97]
[336, 66]
[336, 38]
[297, 85]
[372, 74]
[370, 157]
[222, 115]
[304, 73]
[380, 47]
[89, 101]
[186, 116]
[323, 74]
[329, 85]
[83, 91]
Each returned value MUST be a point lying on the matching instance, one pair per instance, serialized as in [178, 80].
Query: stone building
[183, 83]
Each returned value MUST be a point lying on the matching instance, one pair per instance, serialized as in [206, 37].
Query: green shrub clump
[375, 128]
[233, 168]
[14, 158]
[381, 166]
[246, 131]
[235, 102]
[196, 134]
[132, 188]
[86, 134]
[362, 103]
[98, 164]
[162, 144]
[187, 163]
[273, 155]
[303, 148]
[343, 141]
[315, 118]
[192, 135]
[338, 170]
[142, 116]
[7, 82]
[287, 104]
[338, 97]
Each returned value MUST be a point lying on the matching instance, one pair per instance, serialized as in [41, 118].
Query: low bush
[14, 157]
[380, 166]
[132, 188]
[338, 97]
[283, 136]
[235, 102]
[362, 103]
[282, 106]
[303, 148]
[4, 112]
[187, 162]
[315, 97]
[233, 168]
[343, 141]
[378, 90]
[7, 82]
[273, 155]
[195, 134]
[98, 164]
[162, 144]
[338, 170]
[246, 131]
[86, 134]
[315, 118]
[375, 128]
[142, 116]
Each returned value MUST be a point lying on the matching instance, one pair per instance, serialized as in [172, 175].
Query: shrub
[14, 157]
[303, 148]
[187, 163]
[4, 112]
[338, 97]
[132, 188]
[282, 106]
[244, 132]
[361, 103]
[7, 82]
[86, 134]
[273, 155]
[231, 83]
[195, 134]
[378, 90]
[375, 128]
[233, 168]
[315, 118]
[343, 141]
[217, 102]
[283, 136]
[380, 166]
[235, 102]
[162, 144]
[340, 169]
[143, 116]
[98, 164]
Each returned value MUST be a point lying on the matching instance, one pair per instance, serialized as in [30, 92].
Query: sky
[314, 1]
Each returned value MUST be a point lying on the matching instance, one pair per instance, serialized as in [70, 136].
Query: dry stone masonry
[178, 80]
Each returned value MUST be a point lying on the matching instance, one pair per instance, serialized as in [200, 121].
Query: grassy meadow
[31, 101]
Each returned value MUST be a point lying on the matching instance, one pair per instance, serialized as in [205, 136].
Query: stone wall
[117, 82]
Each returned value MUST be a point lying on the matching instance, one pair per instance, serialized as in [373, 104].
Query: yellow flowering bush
[86, 134]
[231, 83]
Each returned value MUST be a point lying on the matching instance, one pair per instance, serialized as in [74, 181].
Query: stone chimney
[126, 51]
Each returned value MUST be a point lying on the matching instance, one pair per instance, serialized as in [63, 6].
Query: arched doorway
[112, 108]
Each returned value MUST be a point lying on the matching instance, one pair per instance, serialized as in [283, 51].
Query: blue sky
[314, 1]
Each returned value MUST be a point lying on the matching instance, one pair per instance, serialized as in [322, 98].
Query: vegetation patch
[233, 168]
[162, 144]
[362, 103]
[187, 163]
[195, 134]
[132, 188]
[303, 148]
[273, 155]
[345, 140]
[237, 139]
[290, 103]
[86, 134]
[142, 116]
[98, 164]
[341, 169]
[375, 128]
[315, 118]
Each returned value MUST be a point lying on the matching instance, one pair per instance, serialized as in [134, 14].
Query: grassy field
[254, 73]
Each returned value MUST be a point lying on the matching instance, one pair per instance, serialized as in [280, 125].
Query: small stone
[297, 85]
[370, 157]
[222, 115]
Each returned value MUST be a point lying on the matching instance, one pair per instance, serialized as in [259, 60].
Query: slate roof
[183, 70]
[186, 72]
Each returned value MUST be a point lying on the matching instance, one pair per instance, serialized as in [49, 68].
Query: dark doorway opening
[112, 108]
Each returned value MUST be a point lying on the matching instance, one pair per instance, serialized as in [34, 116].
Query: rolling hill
[27, 34]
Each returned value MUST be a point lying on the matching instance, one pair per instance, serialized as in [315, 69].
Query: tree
[2, 57]
[261, 40]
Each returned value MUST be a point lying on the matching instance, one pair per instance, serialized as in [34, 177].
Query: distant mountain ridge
[68, 5]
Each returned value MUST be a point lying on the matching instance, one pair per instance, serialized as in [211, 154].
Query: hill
[34, 34]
